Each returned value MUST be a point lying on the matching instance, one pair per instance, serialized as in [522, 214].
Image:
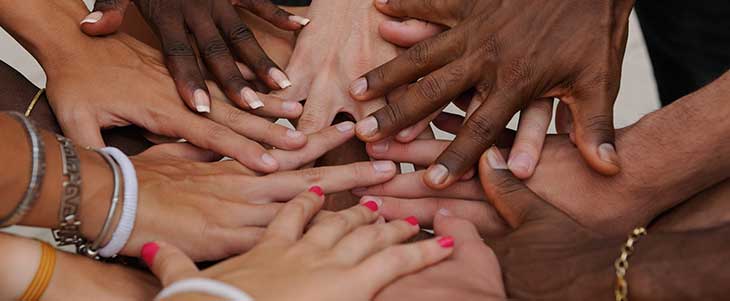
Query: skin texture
[338, 255]
[484, 53]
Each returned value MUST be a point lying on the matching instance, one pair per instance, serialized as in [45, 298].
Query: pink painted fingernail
[280, 78]
[446, 242]
[149, 250]
[412, 220]
[251, 98]
[92, 17]
[367, 127]
[299, 20]
[383, 166]
[495, 159]
[381, 147]
[359, 86]
[316, 190]
[201, 101]
[371, 205]
[521, 162]
[345, 127]
[437, 174]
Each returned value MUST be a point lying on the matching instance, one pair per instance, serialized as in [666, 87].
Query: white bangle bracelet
[129, 209]
[204, 286]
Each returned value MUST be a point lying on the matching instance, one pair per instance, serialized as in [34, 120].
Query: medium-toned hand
[345, 254]
[471, 273]
[215, 26]
[575, 55]
[118, 81]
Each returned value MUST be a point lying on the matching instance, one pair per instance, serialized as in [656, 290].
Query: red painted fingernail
[446, 242]
[149, 250]
[412, 220]
[372, 205]
[316, 189]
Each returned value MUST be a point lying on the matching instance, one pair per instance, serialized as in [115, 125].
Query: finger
[447, 12]
[423, 58]
[244, 44]
[594, 134]
[368, 240]
[84, 131]
[412, 132]
[409, 32]
[316, 116]
[329, 231]
[272, 13]
[446, 224]
[288, 225]
[515, 202]
[421, 99]
[257, 128]
[332, 179]
[106, 17]
[278, 108]
[533, 126]
[563, 119]
[419, 152]
[317, 145]
[396, 261]
[238, 215]
[183, 151]
[479, 132]
[410, 185]
[167, 262]
[450, 123]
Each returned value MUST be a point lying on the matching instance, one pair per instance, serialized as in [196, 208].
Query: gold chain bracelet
[622, 264]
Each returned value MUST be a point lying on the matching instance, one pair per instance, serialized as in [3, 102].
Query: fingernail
[280, 78]
[201, 101]
[367, 126]
[412, 220]
[381, 147]
[372, 205]
[253, 100]
[382, 1]
[521, 162]
[345, 127]
[317, 190]
[380, 220]
[92, 17]
[446, 242]
[393, 23]
[437, 174]
[149, 250]
[359, 86]
[300, 20]
[405, 133]
[607, 153]
[294, 134]
[495, 159]
[291, 106]
[268, 160]
[359, 191]
[376, 202]
[383, 166]
[444, 212]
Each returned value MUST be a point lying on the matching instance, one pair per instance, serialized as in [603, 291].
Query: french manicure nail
[316, 190]
[521, 162]
[345, 127]
[412, 220]
[268, 159]
[300, 20]
[359, 86]
[291, 106]
[367, 126]
[495, 159]
[446, 242]
[437, 174]
[294, 134]
[201, 101]
[251, 98]
[444, 212]
[381, 147]
[92, 17]
[607, 153]
[280, 78]
[149, 250]
[405, 133]
[383, 166]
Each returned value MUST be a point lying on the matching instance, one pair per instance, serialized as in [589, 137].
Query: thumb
[83, 131]
[594, 133]
[167, 262]
[106, 17]
[514, 201]
[409, 32]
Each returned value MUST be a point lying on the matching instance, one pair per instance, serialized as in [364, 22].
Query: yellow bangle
[34, 101]
[43, 275]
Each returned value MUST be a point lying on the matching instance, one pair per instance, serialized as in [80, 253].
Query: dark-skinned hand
[497, 51]
[221, 39]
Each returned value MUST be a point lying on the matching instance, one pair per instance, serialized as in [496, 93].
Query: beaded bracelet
[37, 171]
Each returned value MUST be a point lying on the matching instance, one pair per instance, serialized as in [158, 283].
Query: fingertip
[100, 23]
[522, 165]
[608, 160]
[149, 252]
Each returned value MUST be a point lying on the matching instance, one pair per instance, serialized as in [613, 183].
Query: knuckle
[240, 33]
[215, 132]
[600, 123]
[489, 49]
[481, 128]
[312, 175]
[235, 117]
[518, 72]
[297, 208]
[339, 221]
[176, 48]
[430, 88]
[508, 186]
[419, 55]
[215, 48]
[391, 114]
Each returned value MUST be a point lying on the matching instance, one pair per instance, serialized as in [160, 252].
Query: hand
[486, 36]
[471, 273]
[215, 26]
[215, 210]
[344, 254]
[119, 81]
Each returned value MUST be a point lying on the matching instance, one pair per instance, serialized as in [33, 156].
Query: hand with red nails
[484, 51]
[345, 254]
[221, 39]
[471, 273]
